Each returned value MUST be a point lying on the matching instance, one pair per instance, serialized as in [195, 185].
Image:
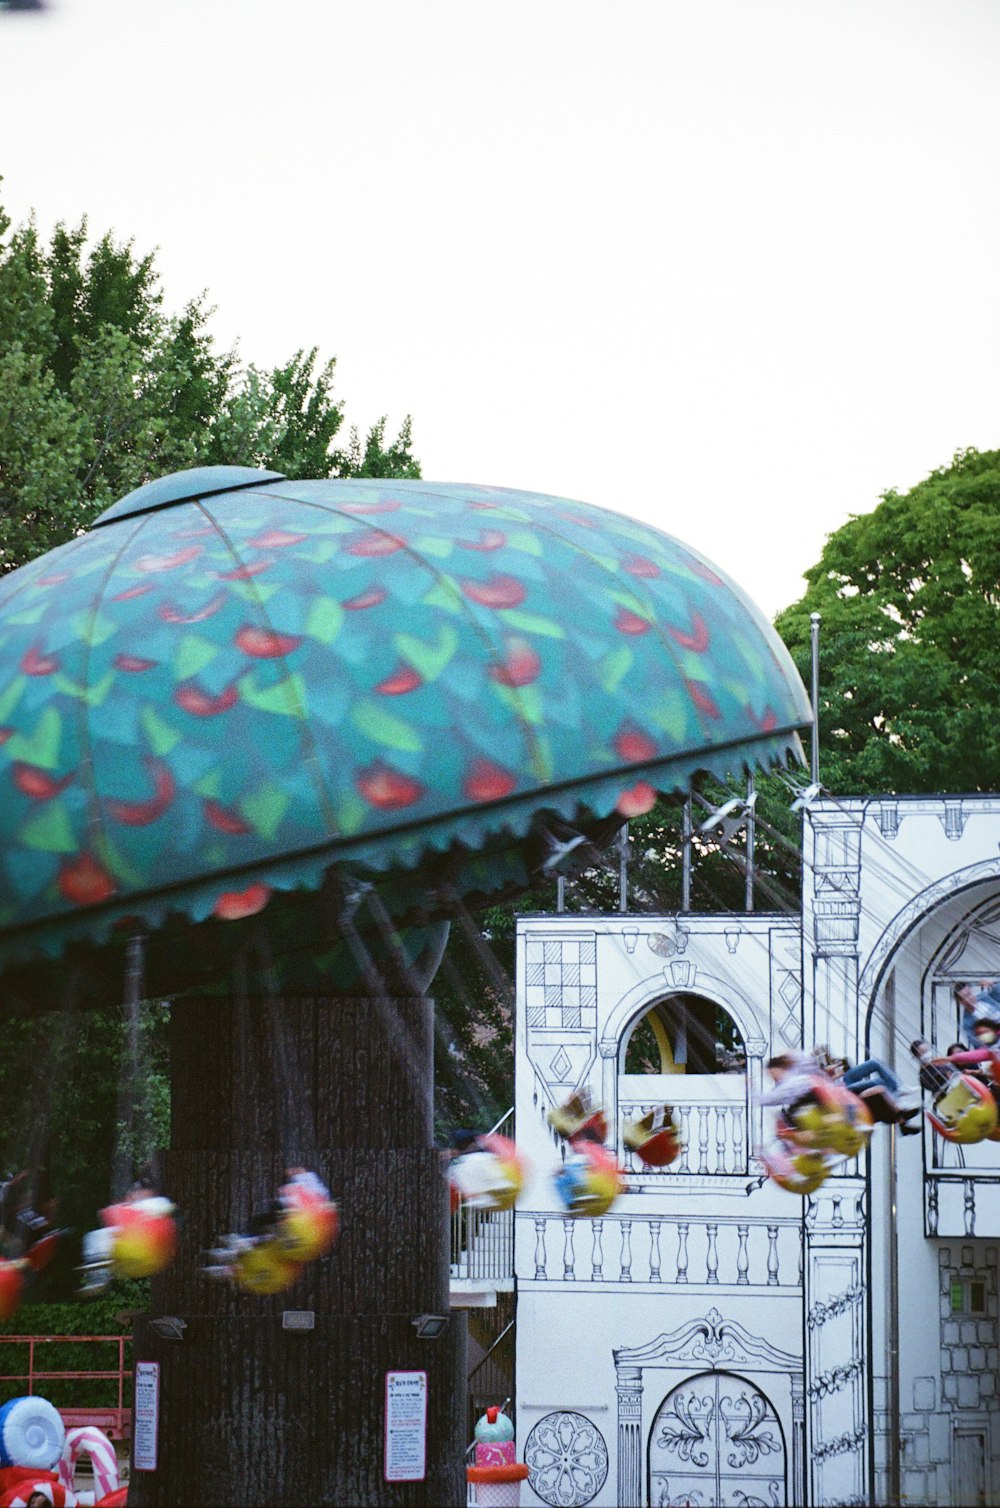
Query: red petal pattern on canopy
[235, 682]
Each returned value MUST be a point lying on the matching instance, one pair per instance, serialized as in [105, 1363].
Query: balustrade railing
[482, 1241]
[958, 1204]
[710, 1110]
[956, 1160]
[725, 1251]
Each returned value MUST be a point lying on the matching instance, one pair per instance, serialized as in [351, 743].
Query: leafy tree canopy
[101, 389]
[910, 640]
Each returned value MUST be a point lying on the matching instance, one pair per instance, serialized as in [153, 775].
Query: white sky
[729, 267]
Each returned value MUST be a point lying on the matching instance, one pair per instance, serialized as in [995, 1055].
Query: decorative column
[756, 1048]
[629, 1389]
[798, 1442]
[840, 1451]
[835, 903]
[836, 1368]
[608, 1050]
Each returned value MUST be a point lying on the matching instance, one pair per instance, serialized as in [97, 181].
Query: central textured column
[250, 1412]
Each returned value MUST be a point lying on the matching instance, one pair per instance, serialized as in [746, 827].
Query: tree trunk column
[252, 1413]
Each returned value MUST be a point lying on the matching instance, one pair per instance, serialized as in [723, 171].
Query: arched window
[683, 1033]
[685, 1050]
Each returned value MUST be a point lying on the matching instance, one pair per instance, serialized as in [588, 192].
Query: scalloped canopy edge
[465, 837]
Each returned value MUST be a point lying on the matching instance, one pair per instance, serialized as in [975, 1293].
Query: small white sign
[298, 1319]
[146, 1415]
[405, 1426]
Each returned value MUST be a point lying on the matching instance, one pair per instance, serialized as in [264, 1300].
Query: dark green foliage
[101, 390]
[376, 458]
[66, 1082]
[910, 639]
[108, 1315]
[718, 869]
[474, 1015]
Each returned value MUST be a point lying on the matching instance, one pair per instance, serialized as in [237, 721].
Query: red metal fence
[113, 1417]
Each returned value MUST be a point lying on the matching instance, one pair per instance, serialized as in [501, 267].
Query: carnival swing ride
[261, 743]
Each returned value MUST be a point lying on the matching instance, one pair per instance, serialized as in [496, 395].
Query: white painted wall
[715, 1290]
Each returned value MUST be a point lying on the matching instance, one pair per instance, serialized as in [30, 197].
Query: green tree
[910, 640]
[102, 389]
[83, 1097]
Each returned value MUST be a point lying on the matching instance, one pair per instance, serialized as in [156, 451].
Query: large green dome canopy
[235, 681]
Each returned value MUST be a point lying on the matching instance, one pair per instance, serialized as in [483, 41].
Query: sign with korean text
[405, 1426]
[146, 1415]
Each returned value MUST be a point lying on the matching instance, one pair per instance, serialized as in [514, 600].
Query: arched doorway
[926, 1236]
[717, 1442]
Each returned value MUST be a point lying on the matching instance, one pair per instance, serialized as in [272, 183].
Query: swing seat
[964, 1111]
[491, 1175]
[310, 1224]
[41, 1252]
[264, 1269]
[579, 1117]
[11, 1288]
[589, 1181]
[654, 1138]
[143, 1237]
[832, 1119]
[848, 1136]
[800, 1173]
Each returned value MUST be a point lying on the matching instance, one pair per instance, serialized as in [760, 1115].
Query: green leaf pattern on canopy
[210, 696]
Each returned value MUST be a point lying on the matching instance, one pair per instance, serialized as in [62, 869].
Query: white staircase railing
[482, 1241]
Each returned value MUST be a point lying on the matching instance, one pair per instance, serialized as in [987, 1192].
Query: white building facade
[713, 1339]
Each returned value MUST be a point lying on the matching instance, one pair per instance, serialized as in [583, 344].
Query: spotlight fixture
[430, 1326]
[169, 1326]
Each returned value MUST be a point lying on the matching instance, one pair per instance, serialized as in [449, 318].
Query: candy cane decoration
[103, 1460]
[58, 1495]
[55, 1492]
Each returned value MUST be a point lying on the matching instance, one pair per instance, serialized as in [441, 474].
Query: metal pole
[895, 1442]
[751, 844]
[560, 892]
[686, 859]
[814, 643]
[623, 869]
